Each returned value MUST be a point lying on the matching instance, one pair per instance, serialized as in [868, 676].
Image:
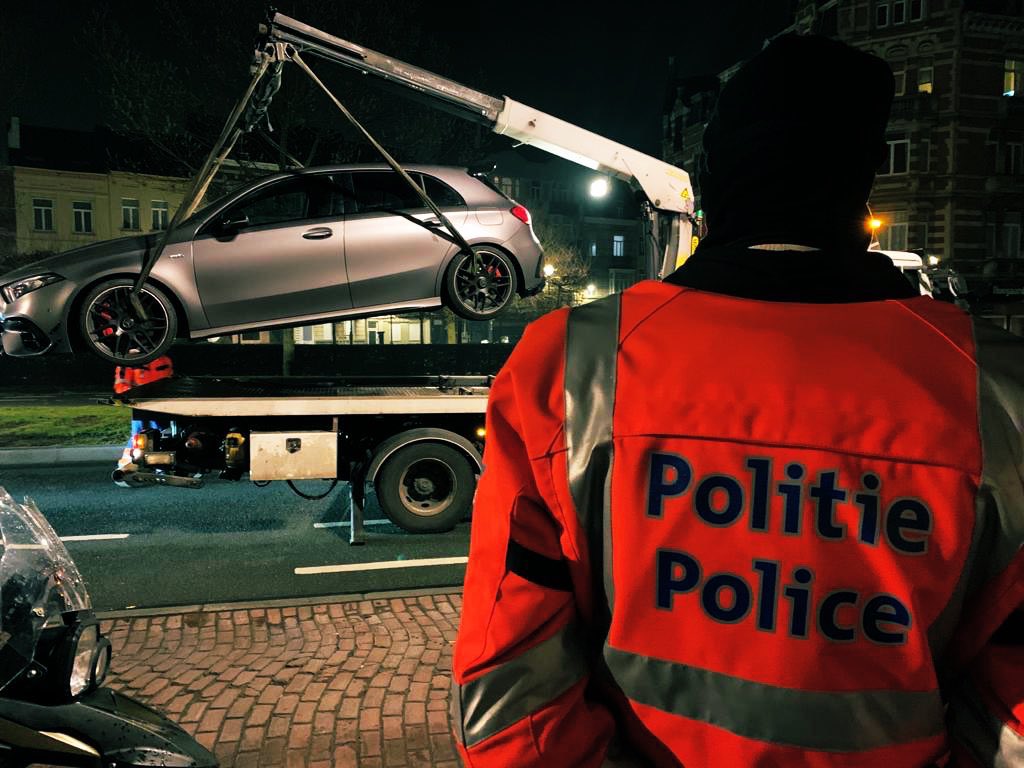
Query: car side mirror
[233, 222]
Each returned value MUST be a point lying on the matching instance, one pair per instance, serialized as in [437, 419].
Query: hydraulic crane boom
[668, 195]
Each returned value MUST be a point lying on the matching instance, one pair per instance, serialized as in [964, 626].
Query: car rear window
[442, 195]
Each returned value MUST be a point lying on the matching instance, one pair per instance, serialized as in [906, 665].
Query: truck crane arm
[666, 188]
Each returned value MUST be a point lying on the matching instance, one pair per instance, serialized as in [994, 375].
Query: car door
[276, 254]
[392, 252]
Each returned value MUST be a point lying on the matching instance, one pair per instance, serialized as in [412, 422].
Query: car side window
[442, 195]
[277, 203]
[382, 191]
[338, 198]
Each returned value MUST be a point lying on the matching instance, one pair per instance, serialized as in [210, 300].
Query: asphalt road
[225, 542]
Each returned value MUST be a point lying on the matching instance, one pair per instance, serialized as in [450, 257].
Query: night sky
[601, 66]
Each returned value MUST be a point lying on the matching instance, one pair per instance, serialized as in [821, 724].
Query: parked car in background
[291, 249]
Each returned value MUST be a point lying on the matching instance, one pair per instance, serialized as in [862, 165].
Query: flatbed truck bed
[417, 441]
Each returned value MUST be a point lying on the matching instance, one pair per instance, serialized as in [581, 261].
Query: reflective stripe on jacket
[756, 533]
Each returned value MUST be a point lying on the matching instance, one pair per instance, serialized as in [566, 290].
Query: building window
[312, 334]
[896, 162]
[894, 237]
[901, 82]
[620, 279]
[129, 213]
[42, 214]
[925, 77]
[82, 213]
[618, 246]
[925, 163]
[507, 186]
[899, 11]
[1011, 240]
[916, 10]
[160, 211]
[1013, 70]
[535, 190]
[881, 14]
[593, 249]
[1014, 158]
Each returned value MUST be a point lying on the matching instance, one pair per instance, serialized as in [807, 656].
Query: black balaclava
[791, 150]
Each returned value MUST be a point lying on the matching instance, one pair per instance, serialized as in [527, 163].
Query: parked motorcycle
[54, 710]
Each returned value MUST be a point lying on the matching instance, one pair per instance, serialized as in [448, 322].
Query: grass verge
[44, 425]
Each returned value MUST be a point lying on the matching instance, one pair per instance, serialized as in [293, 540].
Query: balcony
[913, 106]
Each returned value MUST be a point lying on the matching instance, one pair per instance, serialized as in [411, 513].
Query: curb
[284, 602]
[60, 456]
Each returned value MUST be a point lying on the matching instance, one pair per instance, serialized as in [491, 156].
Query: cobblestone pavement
[358, 682]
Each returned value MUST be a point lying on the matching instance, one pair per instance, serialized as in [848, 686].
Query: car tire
[426, 487]
[480, 296]
[111, 329]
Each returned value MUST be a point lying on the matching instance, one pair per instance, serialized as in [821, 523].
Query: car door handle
[318, 233]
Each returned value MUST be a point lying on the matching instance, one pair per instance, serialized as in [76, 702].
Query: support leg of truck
[356, 501]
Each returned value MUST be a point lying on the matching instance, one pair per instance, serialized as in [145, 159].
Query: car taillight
[521, 213]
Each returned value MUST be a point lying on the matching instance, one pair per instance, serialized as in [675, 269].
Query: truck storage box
[293, 455]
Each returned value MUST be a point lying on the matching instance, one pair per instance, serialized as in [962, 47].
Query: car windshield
[38, 583]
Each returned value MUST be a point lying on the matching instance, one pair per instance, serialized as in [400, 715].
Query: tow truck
[417, 441]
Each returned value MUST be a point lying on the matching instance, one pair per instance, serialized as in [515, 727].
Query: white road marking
[345, 523]
[380, 566]
[97, 537]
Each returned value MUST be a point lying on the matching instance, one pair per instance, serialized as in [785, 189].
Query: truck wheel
[425, 487]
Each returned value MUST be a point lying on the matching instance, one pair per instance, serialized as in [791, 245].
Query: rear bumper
[530, 255]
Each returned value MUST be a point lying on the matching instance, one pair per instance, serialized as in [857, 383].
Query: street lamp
[591, 290]
[549, 270]
[933, 261]
[599, 187]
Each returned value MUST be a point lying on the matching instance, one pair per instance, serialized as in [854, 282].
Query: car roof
[342, 167]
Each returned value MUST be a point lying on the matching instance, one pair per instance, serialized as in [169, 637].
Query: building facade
[63, 191]
[601, 235]
[952, 184]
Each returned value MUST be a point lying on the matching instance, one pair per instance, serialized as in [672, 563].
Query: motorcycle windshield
[38, 583]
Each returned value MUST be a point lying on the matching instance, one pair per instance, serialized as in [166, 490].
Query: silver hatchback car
[291, 249]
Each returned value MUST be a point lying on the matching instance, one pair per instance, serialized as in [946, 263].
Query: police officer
[768, 511]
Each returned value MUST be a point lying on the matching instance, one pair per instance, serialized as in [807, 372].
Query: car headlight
[14, 291]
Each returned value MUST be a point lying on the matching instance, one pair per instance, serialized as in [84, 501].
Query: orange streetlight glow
[875, 224]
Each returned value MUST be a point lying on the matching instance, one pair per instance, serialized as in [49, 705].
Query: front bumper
[36, 323]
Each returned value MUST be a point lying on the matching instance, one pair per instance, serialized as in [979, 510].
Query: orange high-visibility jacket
[715, 531]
